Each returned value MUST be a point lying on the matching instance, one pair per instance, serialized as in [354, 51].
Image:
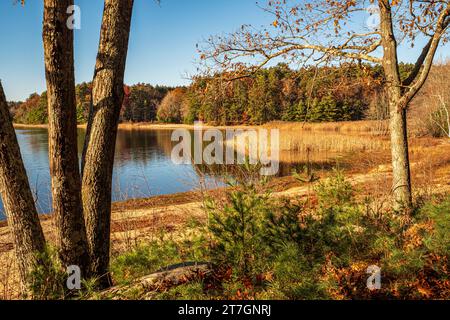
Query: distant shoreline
[139, 126]
[361, 126]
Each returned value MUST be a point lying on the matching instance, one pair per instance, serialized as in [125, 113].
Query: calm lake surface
[142, 167]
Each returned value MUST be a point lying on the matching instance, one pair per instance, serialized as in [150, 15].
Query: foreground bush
[267, 248]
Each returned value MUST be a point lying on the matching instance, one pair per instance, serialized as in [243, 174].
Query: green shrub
[295, 276]
[335, 191]
[48, 279]
[254, 234]
[236, 228]
[438, 242]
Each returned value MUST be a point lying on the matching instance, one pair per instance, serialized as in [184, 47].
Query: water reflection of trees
[139, 146]
[145, 146]
[35, 139]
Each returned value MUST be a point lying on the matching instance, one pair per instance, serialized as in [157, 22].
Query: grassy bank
[367, 126]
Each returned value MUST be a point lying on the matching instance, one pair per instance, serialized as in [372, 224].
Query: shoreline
[361, 126]
[142, 126]
[278, 184]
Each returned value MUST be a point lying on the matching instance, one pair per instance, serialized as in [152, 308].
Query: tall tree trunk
[398, 127]
[98, 153]
[63, 151]
[17, 199]
[401, 173]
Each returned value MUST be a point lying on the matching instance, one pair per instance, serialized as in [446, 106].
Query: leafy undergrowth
[263, 248]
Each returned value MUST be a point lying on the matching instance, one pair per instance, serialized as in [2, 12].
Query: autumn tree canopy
[322, 31]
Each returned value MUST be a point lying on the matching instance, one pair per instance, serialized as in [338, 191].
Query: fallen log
[163, 279]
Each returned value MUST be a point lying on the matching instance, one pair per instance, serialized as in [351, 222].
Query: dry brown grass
[332, 137]
[320, 142]
[329, 142]
[372, 127]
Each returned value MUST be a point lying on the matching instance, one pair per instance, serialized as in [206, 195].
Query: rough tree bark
[401, 173]
[17, 199]
[63, 156]
[98, 153]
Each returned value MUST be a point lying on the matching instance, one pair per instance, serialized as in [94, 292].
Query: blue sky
[162, 42]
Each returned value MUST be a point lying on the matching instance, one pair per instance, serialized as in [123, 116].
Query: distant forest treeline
[140, 104]
[333, 93]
